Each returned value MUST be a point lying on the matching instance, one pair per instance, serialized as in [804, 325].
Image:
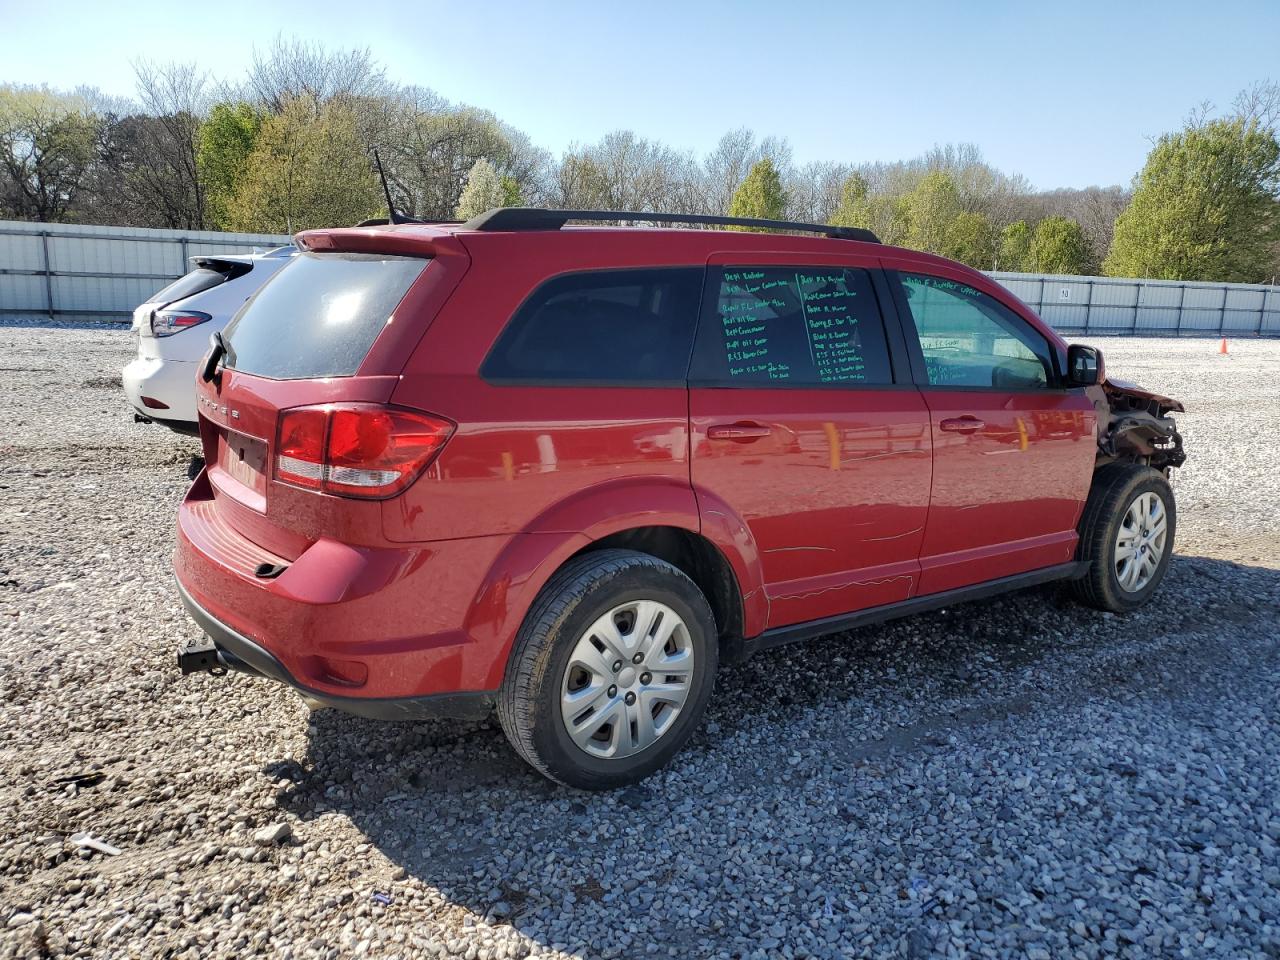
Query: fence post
[1262, 314]
[48, 272]
[1182, 299]
[1222, 317]
[1088, 305]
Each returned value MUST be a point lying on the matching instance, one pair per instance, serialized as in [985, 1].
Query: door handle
[741, 432]
[964, 424]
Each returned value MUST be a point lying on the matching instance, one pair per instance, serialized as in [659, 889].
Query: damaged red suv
[565, 471]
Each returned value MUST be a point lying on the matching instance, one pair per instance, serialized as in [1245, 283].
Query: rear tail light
[357, 450]
[165, 323]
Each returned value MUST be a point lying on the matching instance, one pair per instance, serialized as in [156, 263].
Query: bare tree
[1259, 103]
[727, 165]
[528, 165]
[627, 172]
[1197, 116]
[294, 68]
[174, 98]
[429, 147]
[579, 182]
[814, 191]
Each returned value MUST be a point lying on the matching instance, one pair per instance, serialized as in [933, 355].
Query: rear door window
[319, 315]
[602, 327]
[791, 326]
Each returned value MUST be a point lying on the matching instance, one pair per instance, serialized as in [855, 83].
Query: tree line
[288, 147]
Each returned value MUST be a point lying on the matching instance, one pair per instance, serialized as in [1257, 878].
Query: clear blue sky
[1068, 95]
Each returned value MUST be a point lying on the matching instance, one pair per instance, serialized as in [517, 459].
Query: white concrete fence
[83, 274]
[1106, 305]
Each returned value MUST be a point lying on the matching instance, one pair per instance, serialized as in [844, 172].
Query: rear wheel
[611, 671]
[1127, 534]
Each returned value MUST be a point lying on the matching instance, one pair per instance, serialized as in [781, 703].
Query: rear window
[319, 315]
[604, 327]
[197, 281]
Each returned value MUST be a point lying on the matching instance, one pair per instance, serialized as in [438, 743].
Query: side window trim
[890, 323]
[915, 352]
[895, 332]
[907, 324]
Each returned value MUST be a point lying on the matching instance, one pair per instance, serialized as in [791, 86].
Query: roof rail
[536, 218]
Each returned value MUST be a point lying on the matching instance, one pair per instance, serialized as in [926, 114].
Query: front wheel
[611, 671]
[1126, 533]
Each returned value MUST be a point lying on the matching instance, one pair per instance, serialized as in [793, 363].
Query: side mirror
[1084, 365]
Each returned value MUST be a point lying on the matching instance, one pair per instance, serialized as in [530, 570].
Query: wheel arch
[698, 559]
[627, 510]
[657, 516]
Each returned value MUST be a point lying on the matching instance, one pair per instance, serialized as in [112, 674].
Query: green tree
[971, 239]
[307, 169]
[930, 209]
[1015, 248]
[511, 194]
[484, 191]
[224, 144]
[760, 195]
[855, 209]
[1058, 245]
[1204, 207]
[47, 147]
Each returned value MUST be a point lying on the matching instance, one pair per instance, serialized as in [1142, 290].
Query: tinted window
[609, 327]
[197, 281]
[792, 325]
[319, 315]
[972, 340]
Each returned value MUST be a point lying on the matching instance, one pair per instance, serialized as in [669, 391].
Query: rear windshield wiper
[211, 362]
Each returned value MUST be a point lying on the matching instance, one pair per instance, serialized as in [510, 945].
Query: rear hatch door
[307, 338]
[207, 273]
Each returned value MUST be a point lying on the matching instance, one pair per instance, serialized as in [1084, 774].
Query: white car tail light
[165, 323]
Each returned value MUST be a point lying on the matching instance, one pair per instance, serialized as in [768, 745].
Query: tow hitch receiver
[205, 656]
[200, 656]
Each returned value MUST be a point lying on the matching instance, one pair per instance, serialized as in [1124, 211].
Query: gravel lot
[1021, 777]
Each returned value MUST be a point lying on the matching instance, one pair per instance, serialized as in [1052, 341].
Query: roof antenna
[392, 216]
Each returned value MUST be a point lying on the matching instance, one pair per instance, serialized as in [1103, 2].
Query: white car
[174, 326]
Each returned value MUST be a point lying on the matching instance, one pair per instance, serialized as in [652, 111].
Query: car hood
[1123, 388]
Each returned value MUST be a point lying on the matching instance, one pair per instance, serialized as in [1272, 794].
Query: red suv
[566, 471]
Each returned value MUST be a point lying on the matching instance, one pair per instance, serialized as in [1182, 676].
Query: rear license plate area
[243, 459]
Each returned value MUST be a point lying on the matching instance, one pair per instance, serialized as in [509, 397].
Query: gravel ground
[1021, 777]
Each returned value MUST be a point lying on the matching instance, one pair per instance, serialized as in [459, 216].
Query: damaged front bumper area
[1134, 425]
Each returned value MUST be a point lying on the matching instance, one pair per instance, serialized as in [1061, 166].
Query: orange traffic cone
[1223, 348]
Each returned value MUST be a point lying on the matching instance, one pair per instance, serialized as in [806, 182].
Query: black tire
[584, 589]
[1115, 487]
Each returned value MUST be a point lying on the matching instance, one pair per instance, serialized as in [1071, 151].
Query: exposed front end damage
[1134, 425]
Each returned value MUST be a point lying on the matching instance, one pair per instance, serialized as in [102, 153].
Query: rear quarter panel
[525, 453]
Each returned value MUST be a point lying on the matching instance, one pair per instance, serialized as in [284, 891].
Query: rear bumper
[378, 631]
[172, 382]
[249, 657]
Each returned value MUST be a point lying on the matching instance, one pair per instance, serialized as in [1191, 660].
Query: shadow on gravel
[453, 806]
